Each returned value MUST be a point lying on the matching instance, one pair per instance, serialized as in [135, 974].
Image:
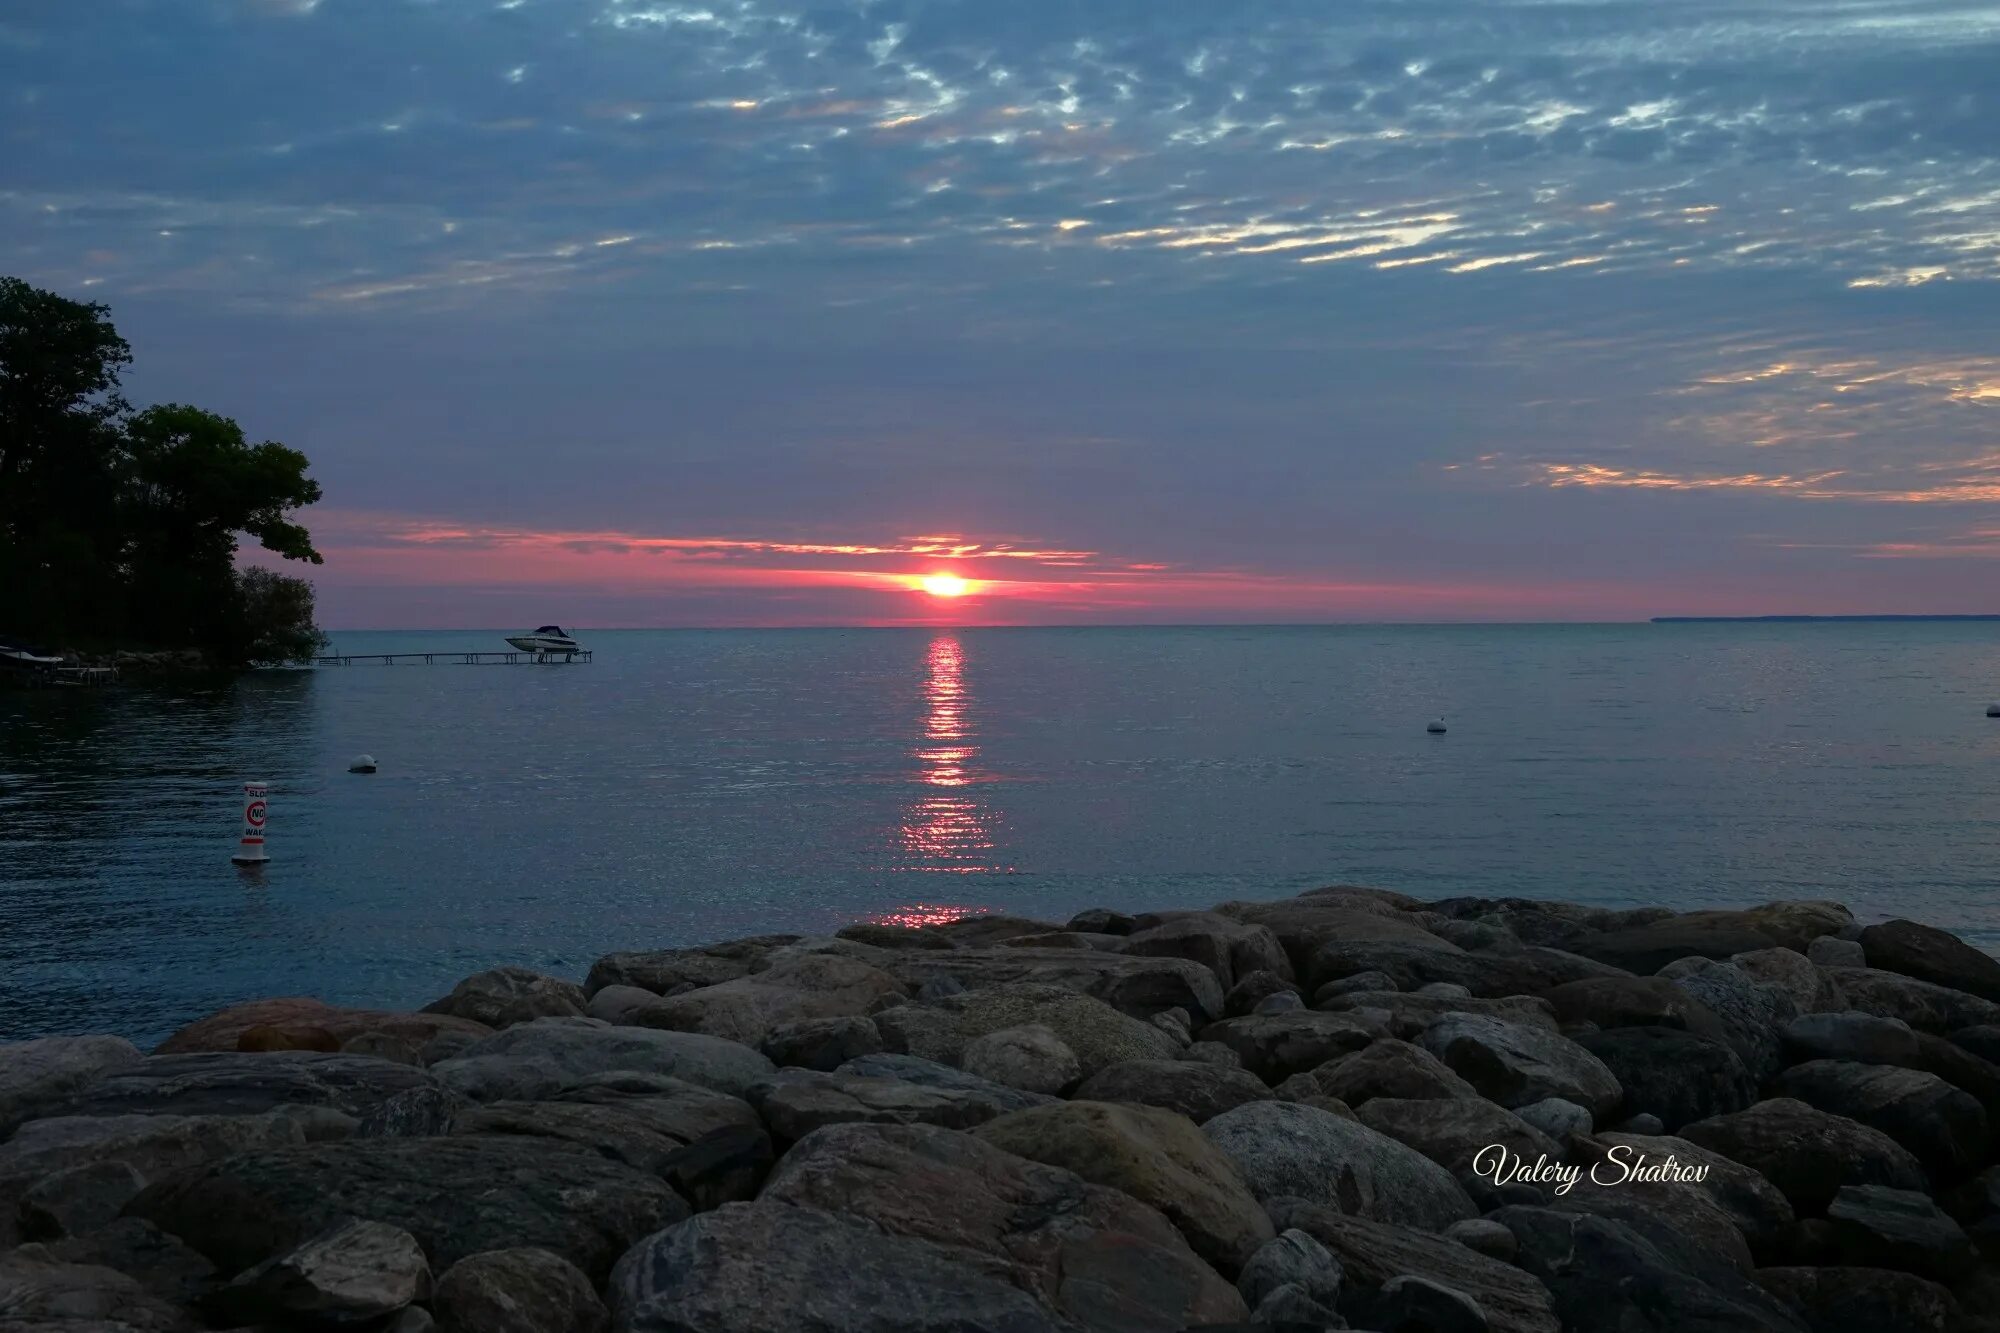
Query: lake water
[687, 786]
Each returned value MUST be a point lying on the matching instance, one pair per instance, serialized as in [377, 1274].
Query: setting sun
[945, 585]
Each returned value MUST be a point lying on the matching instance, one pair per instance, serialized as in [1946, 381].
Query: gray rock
[1279, 1002]
[350, 1274]
[1418, 1302]
[1811, 988]
[795, 1102]
[531, 1061]
[1097, 1033]
[300, 1023]
[160, 1263]
[1516, 1065]
[1276, 1046]
[938, 986]
[1643, 1123]
[1352, 984]
[1932, 955]
[1899, 1229]
[229, 1083]
[1807, 1153]
[1672, 1074]
[984, 929]
[1408, 1015]
[415, 1114]
[644, 1132]
[1029, 1057]
[1752, 1013]
[1450, 990]
[1832, 951]
[1387, 1068]
[1754, 1205]
[1627, 1002]
[822, 1043]
[663, 971]
[152, 1145]
[78, 1199]
[1225, 946]
[1133, 985]
[1101, 921]
[1454, 1131]
[794, 984]
[1851, 1036]
[385, 1046]
[505, 996]
[773, 1268]
[1092, 1254]
[1253, 988]
[1291, 1259]
[52, 1070]
[522, 1290]
[884, 935]
[1193, 1089]
[1922, 1004]
[1212, 1053]
[1175, 1023]
[616, 1004]
[1862, 1300]
[1944, 1126]
[1556, 1118]
[1487, 1237]
[1283, 1148]
[40, 1296]
[1414, 963]
[1289, 1309]
[722, 1166]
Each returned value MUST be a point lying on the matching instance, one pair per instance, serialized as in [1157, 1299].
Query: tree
[274, 616]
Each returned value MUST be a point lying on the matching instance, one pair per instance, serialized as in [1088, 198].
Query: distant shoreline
[1790, 620]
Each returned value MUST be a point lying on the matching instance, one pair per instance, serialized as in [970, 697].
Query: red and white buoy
[250, 852]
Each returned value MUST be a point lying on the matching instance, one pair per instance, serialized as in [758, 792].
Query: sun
[944, 585]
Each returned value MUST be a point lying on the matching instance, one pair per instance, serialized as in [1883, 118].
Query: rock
[1276, 1046]
[1811, 989]
[644, 1132]
[1387, 1068]
[1630, 1002]
[522, 1290]
[1756, 1207]
[793, 985]
[505, 996]
[1643, 1123]
[1647, 949]
[1943, 1126]
[1453, 1131]
[1154, 1156]
[1295, 1260]
[266, 1037]
[1900, 1229]
[415, 1114]
[349, 1274]
[1672, 1074]
[1091, 1254]
[1752, 1013]
[1555, 1117]
[1134, 985]
[1408, 1015]
[882, 935]
[1212, 1053]
[1603, 1274]
[1807, 1153]
[772, 1268]
[1196, 1090]
[1287, 1309]
[1832, 951]
[78, 1199]
[457, 1196]
[152, 1145]
[1098, 1034]
[1960, 1068]
[1932, 955]
[1224, 946]
[244, 1084]
[1851, 1036]
[1029, 1057]
[1175, 1023]
[1861, 1300]
[1488, 1238]
[384, 1046]
[1417, 1302]
[1676, 1217]
[985, 929]
[1416, 963]
[1514, 1065]
[1280, 1002]
[141, 1251]
[38, 1074]
[1450, 990]
[222, 1031]
[821, 1043]
[1101, 921]
[937, 987]
[531, 1061]
[1982, 1041]
[1303, 923]
[39, 1296]
[617, 1004]
[1287, 1149]
[1252, 989]
[795, 1102]
[1923, 1005]
[1373, 1254]
[663, 971]
[1349, 985]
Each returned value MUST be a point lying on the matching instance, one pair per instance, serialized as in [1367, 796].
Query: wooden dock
[454, 657]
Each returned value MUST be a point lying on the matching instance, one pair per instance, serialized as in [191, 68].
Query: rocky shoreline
[1344, 1109]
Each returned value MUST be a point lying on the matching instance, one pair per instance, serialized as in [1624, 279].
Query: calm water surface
[688, 785]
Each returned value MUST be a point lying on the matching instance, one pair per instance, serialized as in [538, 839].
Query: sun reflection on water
[947, 829]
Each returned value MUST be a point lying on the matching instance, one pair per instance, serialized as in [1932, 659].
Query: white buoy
[363, 763]
[1993, 710]
[250, 851]
[1436, 728]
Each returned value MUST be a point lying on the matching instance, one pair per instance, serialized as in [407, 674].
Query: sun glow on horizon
[945, 585]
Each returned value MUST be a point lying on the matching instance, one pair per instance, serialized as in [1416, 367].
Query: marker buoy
[1993, 710]
[250, 851]
[1436, 728]
[363, 763]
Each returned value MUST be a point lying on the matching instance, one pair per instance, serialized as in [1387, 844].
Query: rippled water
[690, 785]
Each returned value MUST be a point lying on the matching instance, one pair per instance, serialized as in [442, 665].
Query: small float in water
[1436, 727]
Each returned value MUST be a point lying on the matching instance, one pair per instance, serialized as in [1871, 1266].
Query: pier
[456, 657]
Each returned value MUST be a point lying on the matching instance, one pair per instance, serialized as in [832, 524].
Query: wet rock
[457, 1196]
[1811, 989]
[222, 1031]
[531, 1061]
[1832, 951]
[1555, 1117]
[1134, 985]
[1851, 1035]
[1226, 947]
[1196, 1090]
[1672, 1074]
[1752, 1013]
[35, 1075]
[1287, 1149]
[1388, 1068]
[1488, 1238]
[1932, 955]
[1098, 1034]
[1515, 1065]
[504, 996]
[1756, 1207]
[1276, 1046]
[774, 1268]
[1252, 989]
[37, 1295]
[521, 1290]
[1900, 1229]
[643, 1132]
[664, 971]
[822, 1043]
[792, 985]
[350, 1274]
[1943, 1126]
[1303, 923]
[1156, 1157]
[1453, 1131]
[78, 1200]
[1030, 1057]
[245, 1084]
[1861, 1300]
[1092, 1254]
[160, 1263]
[795, 1102]
[1807, 1153]
[1631, 1002]
[1924, 1005]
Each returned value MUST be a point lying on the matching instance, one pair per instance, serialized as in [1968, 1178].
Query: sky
[744, 312]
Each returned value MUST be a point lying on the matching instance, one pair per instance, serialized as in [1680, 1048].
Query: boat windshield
[552, 629]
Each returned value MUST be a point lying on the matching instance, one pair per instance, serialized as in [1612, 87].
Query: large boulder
[457, 1196]
[1807, 1153]
[1225, 946]
[1944, 1126]
[1851, 1036]
[353, 1273]
[793, 985]
[42, 1296]
[1646, 949]
[1672, 1074]
[223, 1031]
[1155, 1156]
[505, 996]
[1413, 963]
[1514, 1065]
[1196, 1090]
[1932, 955]
[160, 1263]
[1752, 1013]
[1812, 988]
[1092, 1254]
[150, 1146]
[1862, 1299]
[1901, 1229]
[532, 1061]
[1132, 984]
[37, 1074]
[1462, 1134]
[1406, 1015]
[217, 1083]
[1284, 1148]
[665, 971]
[1276, 1046]
[820, 1043]
[1098, 1034]
[518, 1290]
[776, 1268]
[1030, 1057]
[1628, 1002]
[1924, 1005]
[795, 1102]
[1388, 1068]
[1303, 923]
[1754, 1205]
[643, 1129]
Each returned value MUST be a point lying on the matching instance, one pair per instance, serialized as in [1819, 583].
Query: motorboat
[547, 639]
